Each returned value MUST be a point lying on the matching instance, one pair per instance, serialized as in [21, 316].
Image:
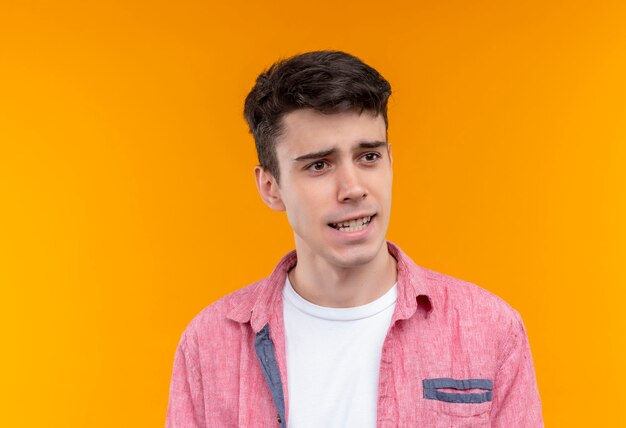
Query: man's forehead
[307, 130]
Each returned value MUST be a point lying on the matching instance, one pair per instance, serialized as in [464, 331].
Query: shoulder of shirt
[462, 304]
[214, 316]
[471, 302]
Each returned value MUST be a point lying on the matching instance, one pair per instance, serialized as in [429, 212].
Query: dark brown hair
[326, 81]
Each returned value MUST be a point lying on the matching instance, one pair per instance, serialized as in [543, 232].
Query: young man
[347, 331]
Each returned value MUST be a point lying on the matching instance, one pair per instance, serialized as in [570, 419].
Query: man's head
[324, 81]
[320, 119]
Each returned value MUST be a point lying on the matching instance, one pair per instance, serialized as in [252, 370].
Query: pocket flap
[433, 390]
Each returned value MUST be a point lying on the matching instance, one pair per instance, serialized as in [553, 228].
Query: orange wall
[126, 182]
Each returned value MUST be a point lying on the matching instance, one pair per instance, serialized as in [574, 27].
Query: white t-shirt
[333, 360]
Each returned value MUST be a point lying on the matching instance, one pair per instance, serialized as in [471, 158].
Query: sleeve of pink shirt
[186, 402]
[516, 401]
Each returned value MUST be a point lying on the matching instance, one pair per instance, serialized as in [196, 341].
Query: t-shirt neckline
[340, 314]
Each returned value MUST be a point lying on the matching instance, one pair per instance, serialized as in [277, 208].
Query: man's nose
[350, 185]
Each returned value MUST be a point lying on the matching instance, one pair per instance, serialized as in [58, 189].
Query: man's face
[335, 184]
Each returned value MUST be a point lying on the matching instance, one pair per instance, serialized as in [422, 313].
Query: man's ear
[268, 189]
[389, 152]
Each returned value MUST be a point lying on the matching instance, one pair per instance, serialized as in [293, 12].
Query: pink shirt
[455, 355]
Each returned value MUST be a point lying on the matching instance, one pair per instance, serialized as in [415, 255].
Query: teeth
[352, 225]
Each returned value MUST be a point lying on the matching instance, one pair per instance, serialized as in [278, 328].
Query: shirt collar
[415, 292]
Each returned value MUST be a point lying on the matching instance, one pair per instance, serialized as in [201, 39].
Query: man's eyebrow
[324, 153]
[316, 155]
[371, 144]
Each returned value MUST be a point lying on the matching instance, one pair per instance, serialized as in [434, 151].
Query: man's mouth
[352, 225]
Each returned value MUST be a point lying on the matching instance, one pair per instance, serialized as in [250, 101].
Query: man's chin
[354, 257]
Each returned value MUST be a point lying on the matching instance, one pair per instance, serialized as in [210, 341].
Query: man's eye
[317, 166]
[372, 156]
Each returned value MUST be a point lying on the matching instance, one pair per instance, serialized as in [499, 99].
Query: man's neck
[325, 284]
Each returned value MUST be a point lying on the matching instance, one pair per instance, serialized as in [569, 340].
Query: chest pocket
[458, 403]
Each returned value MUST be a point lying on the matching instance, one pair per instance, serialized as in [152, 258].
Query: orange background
[128, 204]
